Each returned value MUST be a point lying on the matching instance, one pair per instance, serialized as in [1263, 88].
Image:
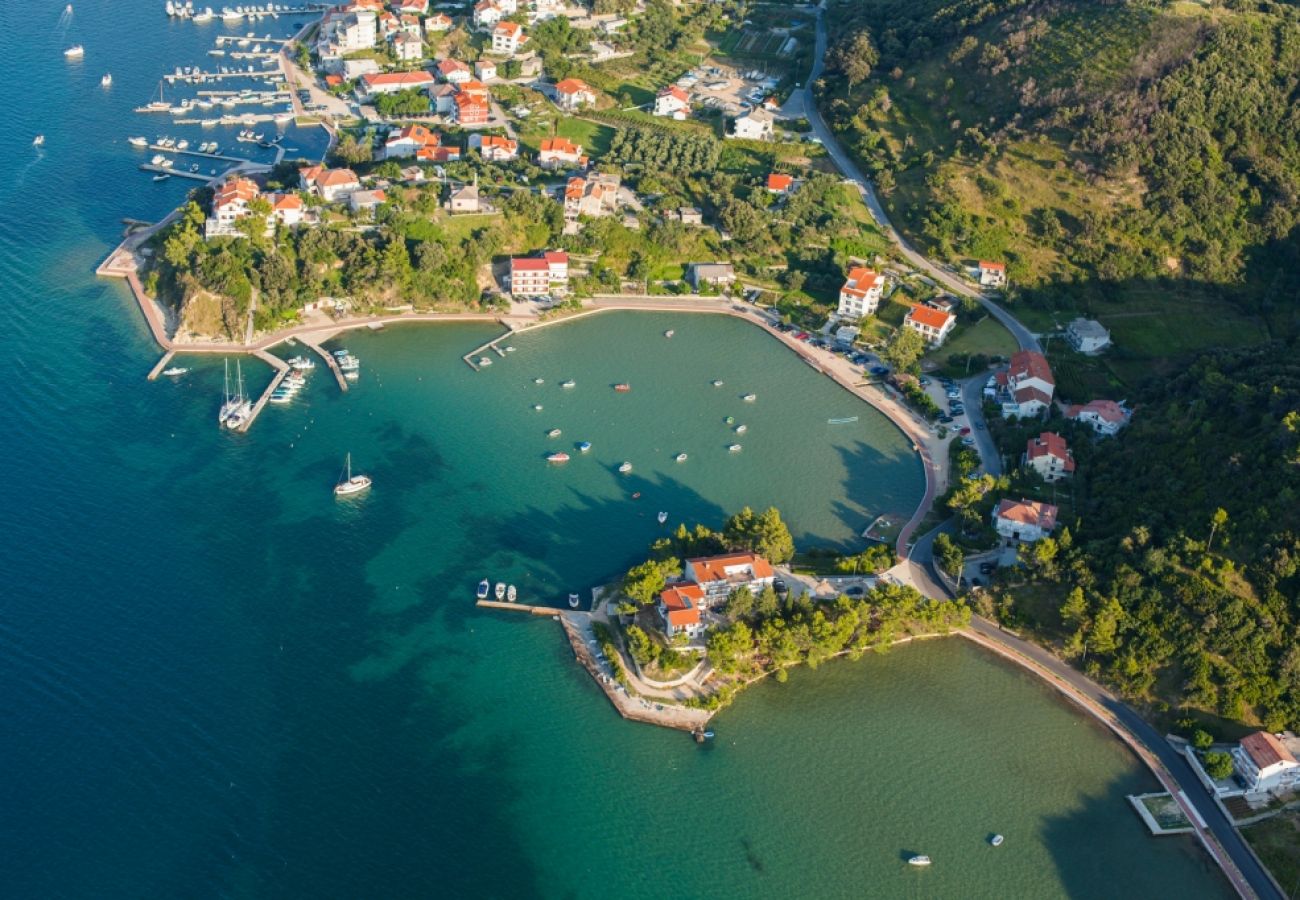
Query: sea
[220, 681]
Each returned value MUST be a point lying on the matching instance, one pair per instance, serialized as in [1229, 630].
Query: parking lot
[719, 87]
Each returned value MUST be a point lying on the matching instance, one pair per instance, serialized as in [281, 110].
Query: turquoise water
[220, 682]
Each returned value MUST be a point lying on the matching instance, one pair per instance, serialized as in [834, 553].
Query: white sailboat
[351, 484]
[238, 405]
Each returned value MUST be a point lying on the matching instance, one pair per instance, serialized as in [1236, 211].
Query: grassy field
[1277, 841]
[985, 337]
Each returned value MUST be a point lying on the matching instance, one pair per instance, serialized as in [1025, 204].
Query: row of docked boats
[294, 382]
[184, 9]
[503, 591]
[348, 364]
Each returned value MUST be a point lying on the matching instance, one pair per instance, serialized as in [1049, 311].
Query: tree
[1075, 608]
[726, 645]
[645, 582]
[1218, 765]
[904, 349]
[352, 151]
[643, 649]
[950, 556]
[1219, 519]
[856, 57]
[763, 534]
[1202, 739]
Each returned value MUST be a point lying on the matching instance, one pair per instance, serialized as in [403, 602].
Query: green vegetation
[403, 103]
[1277, 841]
[1218, 765]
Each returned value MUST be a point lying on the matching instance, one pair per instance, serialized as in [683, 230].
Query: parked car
[968, 441]
[945, 418]
[964, 431]
[855, 591]
[779, 586]
[988, 567]
[979, 425]
[879, 370]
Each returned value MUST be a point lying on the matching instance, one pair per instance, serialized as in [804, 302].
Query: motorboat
[574, 600]
[669, 333]
[919, 860]
[557, 457]
[844, 421]
[625, 468]
[622, 387]
[107, 80]
[749, 398]
[510, 348]
[539, 381]
[76, 51]
[38, 141]
[741, 429]
[996, 840]
[161, 177]
[500, 590]
[568, 384]
[138, 141]
[663, 517]
[734, 448]
[351, 484]
[484, 361]
[301, 363]
[554, 433]
[537, 407]
[174, 371]
[182, 144]
[717, 382]
[730, 420]
[511, 593]
[484, 587]
[584, 446]
[680, 457]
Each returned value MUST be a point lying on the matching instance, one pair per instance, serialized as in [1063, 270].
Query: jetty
[313, 342]
[201, 77]
[179, 173]
[518, 607]
[218, 156]
[471, 358]
[162, 364]
[281, 369]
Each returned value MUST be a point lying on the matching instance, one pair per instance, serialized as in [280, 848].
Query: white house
[1087, 336]
[437, 23]
[573, 93]
[494, 148]
[355, 68]
[1049, 455]
[755, 125]
[532, 276]
[407, 47]
[673, 101]
[453, 71]
[679, 610]
[718, 576]
[860, 295]
[366, 200]
[507, 38]
[933, 325]
[487, 14]
[287, 209]
[373, 84]
[1106, 417]
[229, 205]
[408, 140]
[1027, 386]
[329, 184]
[716, 274]
[1024, 520]
[485, 69]
[992, 274]
[1265, 764]
[559, 153]
[347, 32]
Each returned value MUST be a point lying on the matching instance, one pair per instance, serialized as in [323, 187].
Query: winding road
[1220, 838]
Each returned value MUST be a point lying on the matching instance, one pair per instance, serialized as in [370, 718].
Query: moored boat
[351, 484]
[175, 371]
[717, 382]
[38, 141]
[484, 587]
[622, 387]
[557, 457]
[76, 51]
[741, 429]
[568, 384]
[484, 362]
[500, 590]
[537, 407]
[574, 600]
[539, 381]
[680, 457]
[669, 333]
[625, 468]
[138, 141]
[584, 446]
[107, 80]
[919, 860]
[663, 517]
[749, 398]
[554, 433]
[996, 840]
[511, 593]
[734, 448]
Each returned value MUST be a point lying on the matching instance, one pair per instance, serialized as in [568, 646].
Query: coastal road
[1024, 337]
[1227, 837]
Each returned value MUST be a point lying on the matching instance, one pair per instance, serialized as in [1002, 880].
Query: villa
[366, 201]
[991, 274]
[593, 197]
[558, 153]
[861, 293]
[755, 125]
[716, 274]
[373, 84]
[1024, 520]
[679, 610]
[494, 148]
[780, 183]
[487, 14]
[1049, 455]
[464, 199]
[329, 184]
[470, 108]
[1027, 386]
[1106, 417]
[229, 205]
[342, 32]
[572, 94]
[533, 276]
[407, 48]
[718, 576]
[674, 102]
[1265, 764]
[453, 71]
[1087, 336]
[408, 141]
[507, 38]
[933, 325]
[437, 22]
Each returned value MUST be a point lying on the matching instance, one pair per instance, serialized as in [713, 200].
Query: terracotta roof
[681, 603]
[507, 28]
[333, 80]
[440, 19]
[337, 177]
[470, 103]
[1028, 512]
[778, 181]
[286, 201]
[1050, 444]
[437, 154]
[529, 264]
[412, 79]
[675, 92]
[1027, 394]
[993, 266]
[472, 87]
[448, 66]
[496, 141]
[1030, 364]
[861, 279]
[1266, 750]
[573, 86]
[556, 257]
[311, 173]
[418, 133]
[1106, 410]
[233, 190]
[560, 145]
[713, 568]
[930, 317]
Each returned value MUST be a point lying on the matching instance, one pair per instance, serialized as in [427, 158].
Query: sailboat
[238, 407]
[227, 401]
[351, 484]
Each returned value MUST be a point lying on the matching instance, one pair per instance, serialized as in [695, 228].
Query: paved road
[972, 397]
[1024, 337]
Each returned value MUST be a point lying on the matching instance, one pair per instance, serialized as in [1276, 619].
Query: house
[572, 94]
[411, 7]
[1265, 764]
[933, 325]
[388, 25]
[485, 70]
[755, 125]
[329, 184]
[287, 209]
[438, 154]
[532, 276]
[442, 97]
[1024, 520]
[690, 215]
[408, 141]
[1087, 336]
[413, 175]
[470, 108]
[593, 196]
[530, 67]
[407, 47]
[410, 25]
[507, 38]
[436, 23]
[355, 68]
[487, 14]
[679, 610]
[464, 199]
[1025, 389]
[559, 153]
[1049, 455]
[861, 293]
[1106, 417]
[342, 32]
[366, 201]
[674, 102]
[494, 148]
[229, 205]
[373, 84]
[717, 274]
[779, 183]
[453, 71]
[718, 576]
[991, 274]
[613, 25]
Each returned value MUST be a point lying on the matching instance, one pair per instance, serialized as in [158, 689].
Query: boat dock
[162, 364]
[250, 39]
[201, 155]
[200, 77]
[281, 369]
[518, 607]
[179, 173]
[330, 361]
[471, 358]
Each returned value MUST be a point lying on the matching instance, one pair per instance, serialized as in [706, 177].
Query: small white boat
[182, 145]
[554, 433]
[175, 371]
[510, 348]
[537, 407]
[734, 448]
[539, 381]
[669, 333]
[38, 141]
[717, 382]
[484, 587]
[663, 517]
[301, 363]
[568, 384]
[574, 600]
[500, 589]
[680, 457]
[161, 177]
[511, 593]
[484, 362]
[76, 51]
[996, 840]
[138, 141]
[749, 398]
[625, 468]
[107, 80]
[351, 484]
[557, 457]
[741, 429]
[919, 861]
[584, 446]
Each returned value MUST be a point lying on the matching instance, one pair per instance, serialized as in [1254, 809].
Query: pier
[281, 369]
[221, 156]
[518, 607]
[200, 77]
[312, 342]
[179, 173]
[470, 358]
[162, 364]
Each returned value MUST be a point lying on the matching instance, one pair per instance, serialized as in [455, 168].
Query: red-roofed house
[1049, 455]
[366, 201]
[287, 209]
[408, 141]
[1024, 520]
[720, 575]
[679, 609]
[470, 108]
[573, 94]
[437, 22]
[992, 274]
[487, 14]
[1106, 417]
[673, 101]
[1265, 763]
[372, 84]
[861, 292]
[485, 69]
[229, 205]
[507, 38]
[532, 276]
[453, 71]
[780, 183]
[494, 148]
[439, 154]
[933, 325]
[559, 153]
[1026, 388]
[412, 7]
[332, 184]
